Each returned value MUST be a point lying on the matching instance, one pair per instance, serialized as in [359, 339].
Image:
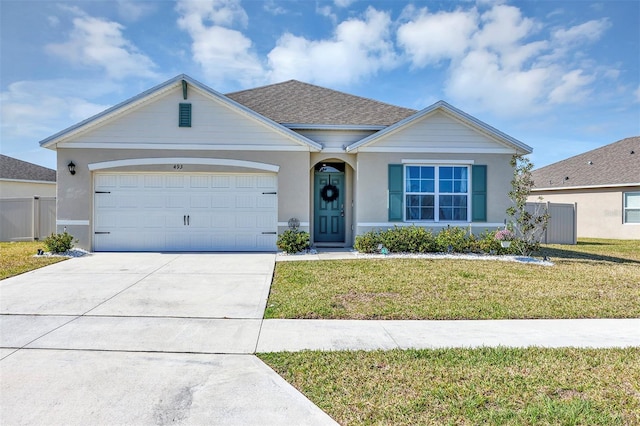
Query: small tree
[529, 226]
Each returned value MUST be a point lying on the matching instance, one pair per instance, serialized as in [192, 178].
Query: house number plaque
[177, 166]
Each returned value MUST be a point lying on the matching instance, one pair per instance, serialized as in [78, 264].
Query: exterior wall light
[72, 168]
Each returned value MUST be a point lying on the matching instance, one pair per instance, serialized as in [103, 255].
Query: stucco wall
[372, 181]
[17, 189]
[599, 211]
[75, 193]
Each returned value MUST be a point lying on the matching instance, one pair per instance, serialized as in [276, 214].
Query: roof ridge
[261, 87]
[322, 88]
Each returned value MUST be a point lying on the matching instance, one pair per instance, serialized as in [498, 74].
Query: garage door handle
[270, 193]
[188, 220]
[101, 233]
[269, 233]
[184, 220]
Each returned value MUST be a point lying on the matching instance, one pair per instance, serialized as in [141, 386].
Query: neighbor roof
[12, 168]
[295, 102]
[616, 164]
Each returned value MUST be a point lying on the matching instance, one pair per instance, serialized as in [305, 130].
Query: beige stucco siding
[213, 124]
[372, 182]
[22, 189]
[335, 139]
[438, 132]
[75, 194]
[599, 211]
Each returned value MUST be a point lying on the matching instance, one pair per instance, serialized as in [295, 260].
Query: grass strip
[595, 279]
[18, 257]
[469, 386]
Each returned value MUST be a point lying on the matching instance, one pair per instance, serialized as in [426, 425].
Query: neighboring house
[19, 179]
[182, 167]
[604, 184]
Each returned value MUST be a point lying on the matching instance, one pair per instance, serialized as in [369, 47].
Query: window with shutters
[437, 193]
[184, 115]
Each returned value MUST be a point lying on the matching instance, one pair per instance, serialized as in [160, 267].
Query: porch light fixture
[72, 168]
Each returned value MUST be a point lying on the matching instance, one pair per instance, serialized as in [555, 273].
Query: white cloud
[34, 110]
[589, 31]
[480, 80]
[223, 53]
[573, 87]
[343, 3]
[637, 94]
[500, 61]
[429, 38]
[96, 42]
[274, 9]
[132, 11]
[358, 48]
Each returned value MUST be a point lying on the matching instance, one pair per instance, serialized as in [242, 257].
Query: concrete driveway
[142, 338]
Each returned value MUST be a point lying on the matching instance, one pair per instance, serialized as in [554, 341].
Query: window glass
[436, 193]
[632, 207]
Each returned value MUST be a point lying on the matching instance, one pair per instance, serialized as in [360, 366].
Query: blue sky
[561, 76]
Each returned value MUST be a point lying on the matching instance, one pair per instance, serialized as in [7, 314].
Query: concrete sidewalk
[334, 335]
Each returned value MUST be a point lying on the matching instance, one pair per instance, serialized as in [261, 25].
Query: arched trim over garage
[184, 160]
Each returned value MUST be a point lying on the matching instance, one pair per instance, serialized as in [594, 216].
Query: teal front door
[329, 207]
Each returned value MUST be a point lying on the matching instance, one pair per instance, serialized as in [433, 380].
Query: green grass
[17, 258]
[469, 386]
[594, 279]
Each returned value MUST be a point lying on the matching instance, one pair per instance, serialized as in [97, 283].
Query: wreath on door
[329, 193]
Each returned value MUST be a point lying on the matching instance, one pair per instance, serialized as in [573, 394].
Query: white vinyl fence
[563, 223]
[27, 219]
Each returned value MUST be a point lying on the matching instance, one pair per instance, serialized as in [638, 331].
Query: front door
[329, 207]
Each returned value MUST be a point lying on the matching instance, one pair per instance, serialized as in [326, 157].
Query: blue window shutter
[184, 115]
[479, 193]
[396, 183]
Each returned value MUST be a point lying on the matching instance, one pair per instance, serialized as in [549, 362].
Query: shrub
[59, 243]
[408, 239]
[454, 238]
[486, 242]
[293, 241]
[368, 242]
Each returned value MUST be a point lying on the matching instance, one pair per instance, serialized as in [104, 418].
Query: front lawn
[594, 279]
[17, 258]
[469, 386]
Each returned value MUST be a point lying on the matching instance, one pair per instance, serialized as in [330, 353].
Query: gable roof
[162, 88]
[295, 102]
[460, 115]
[616, 164]
[14, 169]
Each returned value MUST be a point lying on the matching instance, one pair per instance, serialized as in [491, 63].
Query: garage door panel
[176, 201]
[221, 182]
[185, 212]
[128, 181]
[198, 201]
[222, 201]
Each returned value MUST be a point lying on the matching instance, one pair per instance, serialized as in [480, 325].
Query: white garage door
[185, 212]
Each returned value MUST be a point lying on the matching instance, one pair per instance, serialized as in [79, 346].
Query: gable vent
[184, 115]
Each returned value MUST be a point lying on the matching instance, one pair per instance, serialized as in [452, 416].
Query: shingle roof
[303, 103]
[614, 164]
[12, 168]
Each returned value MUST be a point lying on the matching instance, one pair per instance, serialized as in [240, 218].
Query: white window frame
[625, 208]
[436, 194]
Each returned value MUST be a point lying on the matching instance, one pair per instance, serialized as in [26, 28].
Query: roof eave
[562, 188]
[347, 127]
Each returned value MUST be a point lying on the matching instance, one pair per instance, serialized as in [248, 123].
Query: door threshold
[330, 245]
